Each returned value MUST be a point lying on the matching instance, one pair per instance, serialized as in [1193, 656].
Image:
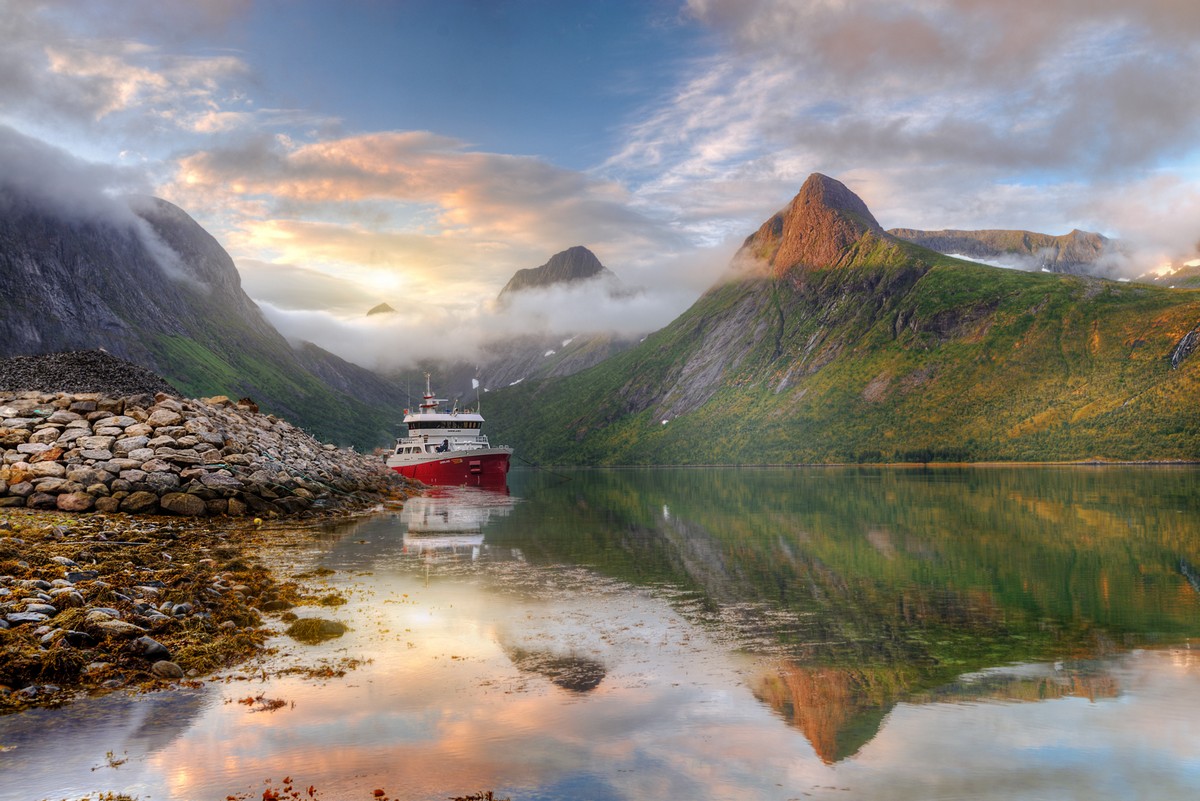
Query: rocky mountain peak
[569, 266]
[817, 229]
[382, 308]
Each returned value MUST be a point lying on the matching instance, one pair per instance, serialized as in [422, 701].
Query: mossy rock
[313, 630]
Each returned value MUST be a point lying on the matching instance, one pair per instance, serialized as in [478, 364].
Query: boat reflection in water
[451, 519]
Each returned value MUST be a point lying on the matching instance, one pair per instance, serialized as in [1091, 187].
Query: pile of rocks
[153, 454]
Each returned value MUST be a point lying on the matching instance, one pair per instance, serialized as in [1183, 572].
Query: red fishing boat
[448, 447]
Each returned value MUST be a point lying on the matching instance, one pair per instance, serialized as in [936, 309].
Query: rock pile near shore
[144, 453]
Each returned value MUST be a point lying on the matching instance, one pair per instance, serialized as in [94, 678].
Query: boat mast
[427, 402]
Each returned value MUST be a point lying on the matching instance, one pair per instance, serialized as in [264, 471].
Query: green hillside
[895, 354]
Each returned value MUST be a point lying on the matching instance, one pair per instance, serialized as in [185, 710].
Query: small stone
[160, 482]
[45, 609]
[47, 470]
[164, 417]
[152, 648]
[119, 628]
[166, 670]
[107, 504]
[139, 502]
[42, 500]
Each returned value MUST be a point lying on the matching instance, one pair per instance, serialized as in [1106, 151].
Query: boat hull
[478, 468]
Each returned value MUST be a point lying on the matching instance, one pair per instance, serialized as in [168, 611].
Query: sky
[420, 152]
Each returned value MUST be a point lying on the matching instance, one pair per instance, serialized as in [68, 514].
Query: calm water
[707, 634]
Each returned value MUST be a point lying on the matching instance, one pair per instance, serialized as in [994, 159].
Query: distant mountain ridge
[1079, 252]
[509, 361]
[167, 296]
[849, 344]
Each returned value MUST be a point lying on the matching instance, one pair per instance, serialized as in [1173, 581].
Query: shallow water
[706, 634]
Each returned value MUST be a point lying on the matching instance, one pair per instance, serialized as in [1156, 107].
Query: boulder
[139, 502]
[164, 417]
[181, 503]
[75, 502]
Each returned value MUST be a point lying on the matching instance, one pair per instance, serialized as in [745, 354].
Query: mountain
[570, 266]
[841, 342]
[149, 284]
[552, 354]
[1079, 252]
[1185, 276]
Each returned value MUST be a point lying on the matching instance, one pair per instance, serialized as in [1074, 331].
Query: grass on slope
[942, 360]
[294, 395]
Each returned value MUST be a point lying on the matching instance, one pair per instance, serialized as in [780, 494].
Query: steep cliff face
[849, 344]
[155, 288]
[1079, 252]
[81, 283]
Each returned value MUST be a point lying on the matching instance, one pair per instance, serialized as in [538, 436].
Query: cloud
[51, 180]
[48, 74]
[293, 288]
[424, 329]
[935, 108]
[489, 196]
[58, 182]
[416, 213]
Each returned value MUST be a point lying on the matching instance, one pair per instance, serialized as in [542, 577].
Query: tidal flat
[714, 634]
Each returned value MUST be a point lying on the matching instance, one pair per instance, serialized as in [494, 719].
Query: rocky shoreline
[93, 603]
[79, 452]
[131, 520]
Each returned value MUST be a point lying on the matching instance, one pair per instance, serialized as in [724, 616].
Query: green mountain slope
[843, 343]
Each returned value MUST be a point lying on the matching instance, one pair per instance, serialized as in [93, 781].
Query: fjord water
[838, 633]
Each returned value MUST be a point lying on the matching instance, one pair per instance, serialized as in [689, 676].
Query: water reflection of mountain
[573, 672]
[839, 710]
[883, 585]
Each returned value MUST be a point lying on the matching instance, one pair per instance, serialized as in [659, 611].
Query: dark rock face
[382, 308]
[69, 284]
[570, 266]
[1079, 252]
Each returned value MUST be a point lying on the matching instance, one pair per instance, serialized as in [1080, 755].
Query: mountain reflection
[875, 586]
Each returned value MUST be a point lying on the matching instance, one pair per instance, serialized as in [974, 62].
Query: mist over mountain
[835, 341]
[141, 279]
[571, 266]
[537, 345]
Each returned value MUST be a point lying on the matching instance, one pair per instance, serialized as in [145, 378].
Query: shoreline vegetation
[92, 603]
